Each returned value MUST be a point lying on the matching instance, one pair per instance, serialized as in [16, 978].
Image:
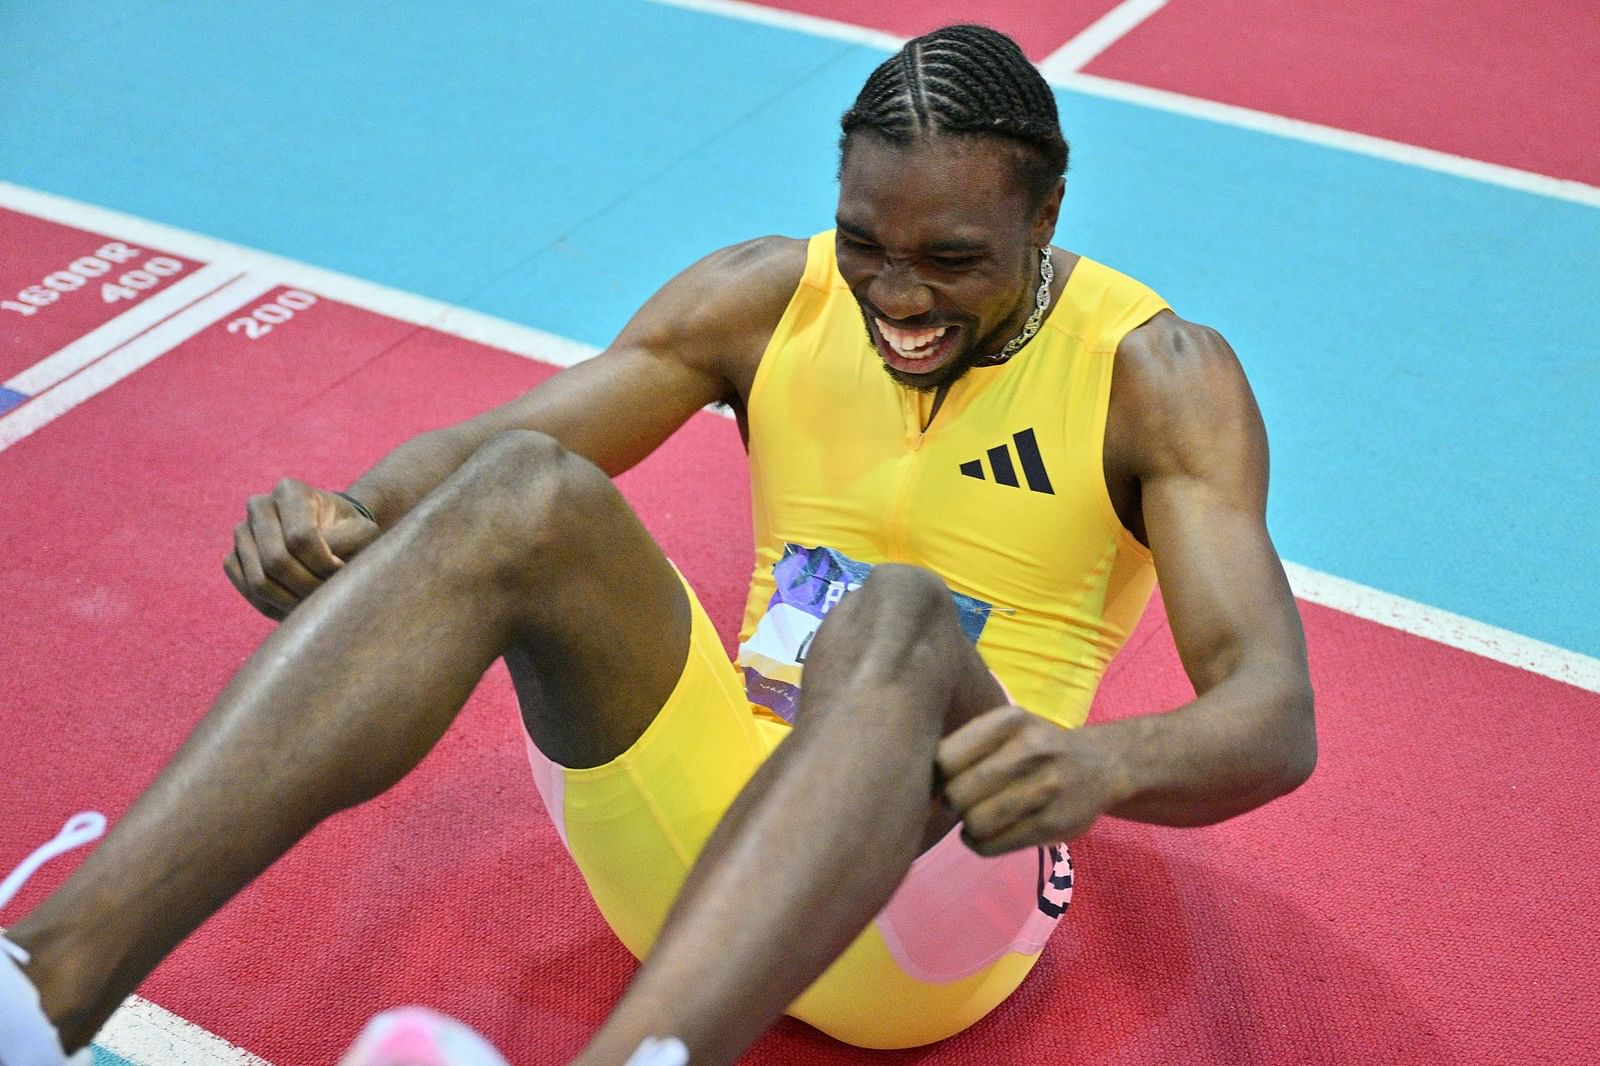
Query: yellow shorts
[958, 937]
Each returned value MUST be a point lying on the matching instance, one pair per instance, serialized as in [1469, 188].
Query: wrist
[1121, 748]
[362, 509]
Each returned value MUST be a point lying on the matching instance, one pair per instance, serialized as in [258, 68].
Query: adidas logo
[1005, 471]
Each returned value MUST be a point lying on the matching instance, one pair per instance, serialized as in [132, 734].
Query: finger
[998, 813]
[351, 533]
[235, 571]
[276, 562]
[994, 772]
[264, 594]
[977, 739]
[1026, 832]
[296, 504]
[1054, 823]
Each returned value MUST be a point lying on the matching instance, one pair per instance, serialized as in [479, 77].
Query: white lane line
[1104, 32]
[790, 20]
[113, 334]
[1064, 75]
[407, 307]
[1457, 631]
[1397, 612]
[139, 352]
[148, 1035]
[1329, 137]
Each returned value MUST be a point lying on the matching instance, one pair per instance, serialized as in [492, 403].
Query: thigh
[636, 824]
[604, 636]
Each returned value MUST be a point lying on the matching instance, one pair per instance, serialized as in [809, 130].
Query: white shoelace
[660, 1051]
[82, 828]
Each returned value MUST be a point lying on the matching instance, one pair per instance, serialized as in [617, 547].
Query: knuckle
[301, 539]
[273, 558]
[959, 795]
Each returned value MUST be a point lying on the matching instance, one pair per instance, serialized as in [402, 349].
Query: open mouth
[914, 351]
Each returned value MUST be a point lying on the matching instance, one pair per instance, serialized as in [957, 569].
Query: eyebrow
[951, 246]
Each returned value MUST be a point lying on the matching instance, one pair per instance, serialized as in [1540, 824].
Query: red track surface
[1040, 26]
[1423, 899]
[1496, 80]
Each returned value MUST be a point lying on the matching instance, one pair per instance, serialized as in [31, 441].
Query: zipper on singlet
[906, 478]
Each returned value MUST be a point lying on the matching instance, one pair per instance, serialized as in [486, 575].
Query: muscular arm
[693, 343]
[1196, 444]
[697, 341]
[1187, 438]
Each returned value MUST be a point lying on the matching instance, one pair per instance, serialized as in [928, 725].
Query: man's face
[940, 246]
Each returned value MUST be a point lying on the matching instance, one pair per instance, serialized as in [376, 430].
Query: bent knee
[522, 489]
[900, 613]
[912, 594]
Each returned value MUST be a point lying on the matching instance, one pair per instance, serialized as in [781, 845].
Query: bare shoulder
[720, 312]
[1180, 404]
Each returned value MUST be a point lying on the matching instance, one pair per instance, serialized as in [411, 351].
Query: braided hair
[966, 80]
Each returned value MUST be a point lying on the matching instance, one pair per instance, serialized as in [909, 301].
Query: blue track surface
[1422, 345]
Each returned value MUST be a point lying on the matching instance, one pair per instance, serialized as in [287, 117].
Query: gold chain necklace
[1041, 301]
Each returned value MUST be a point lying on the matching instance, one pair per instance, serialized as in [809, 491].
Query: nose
[899, 293]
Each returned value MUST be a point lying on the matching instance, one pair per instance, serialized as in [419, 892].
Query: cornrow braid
[965, 79]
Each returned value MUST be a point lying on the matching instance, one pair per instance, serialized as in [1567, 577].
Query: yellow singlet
[1003, 495]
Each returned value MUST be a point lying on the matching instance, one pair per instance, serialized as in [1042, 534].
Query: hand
[291, 541]
[1018, 780]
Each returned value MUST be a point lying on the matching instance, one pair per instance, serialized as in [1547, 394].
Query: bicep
[684, 349]
[1203, 490]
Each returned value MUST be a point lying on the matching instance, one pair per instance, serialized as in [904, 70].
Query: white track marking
[1480, 638]
[91, 346]
[1106, 31]
[789, 20]
[1061, 70]
[139, 352]
[1455, 630]
[1328, 137]
[148, 1035]
[407, 307]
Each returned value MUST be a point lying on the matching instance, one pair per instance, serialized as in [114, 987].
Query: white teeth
[910, 342]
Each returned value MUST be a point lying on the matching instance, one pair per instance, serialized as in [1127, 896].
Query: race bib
[809, 583]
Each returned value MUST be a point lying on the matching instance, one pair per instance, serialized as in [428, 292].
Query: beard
[944, 378]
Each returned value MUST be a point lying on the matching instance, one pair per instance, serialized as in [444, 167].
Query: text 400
[80, 271]
[281, 310]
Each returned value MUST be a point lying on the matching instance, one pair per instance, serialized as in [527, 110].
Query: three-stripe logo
[1005, 472]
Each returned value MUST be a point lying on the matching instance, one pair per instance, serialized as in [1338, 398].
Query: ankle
[70, 986]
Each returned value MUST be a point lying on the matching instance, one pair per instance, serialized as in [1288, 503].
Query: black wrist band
[358, 505]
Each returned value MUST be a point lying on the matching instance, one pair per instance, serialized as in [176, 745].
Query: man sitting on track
[959, 514]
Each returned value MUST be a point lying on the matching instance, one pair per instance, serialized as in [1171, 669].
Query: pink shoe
[417, 1036]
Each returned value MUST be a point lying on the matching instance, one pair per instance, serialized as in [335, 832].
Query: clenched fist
[1018, 780]
[291, 541]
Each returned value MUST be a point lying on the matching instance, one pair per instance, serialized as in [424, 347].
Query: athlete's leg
[526, 546]
[818, 841]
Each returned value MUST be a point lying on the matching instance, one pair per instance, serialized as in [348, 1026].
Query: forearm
[403, 477]
[1244, 742]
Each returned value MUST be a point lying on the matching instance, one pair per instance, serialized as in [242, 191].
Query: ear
[1044, 222]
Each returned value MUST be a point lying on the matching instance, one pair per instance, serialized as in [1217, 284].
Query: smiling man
[959, 516]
